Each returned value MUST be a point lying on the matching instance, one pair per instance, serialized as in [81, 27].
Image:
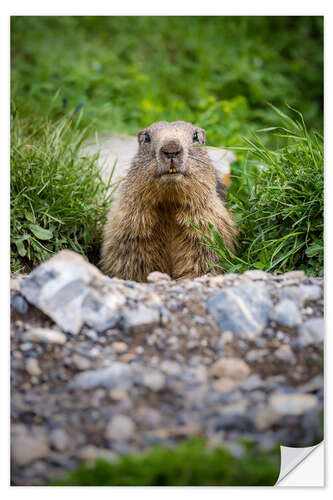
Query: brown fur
[148, 227]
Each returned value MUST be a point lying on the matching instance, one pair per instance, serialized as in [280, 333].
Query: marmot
[170, 184]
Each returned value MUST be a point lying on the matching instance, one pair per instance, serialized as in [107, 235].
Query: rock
[284, 353]
[241, 309]
[301, 294]
[90, 452]
[81, 362]
[265, 416]
[291, 275]
[292, 404]
[310, 292]
[118, 375]
[256, 355]
[45, 336]
[141, 319]
[171, 367]
[252, 383]
[286, 313]
[73, 292]
[156, 277]
[256, 274]
[153, 380]
[32, 367]
[314, 384]
[224, 384]
[312, 331]
[59, 439]
[19, 304]
[28, 445]
[233, 368]
[120, 427]
[119, 347]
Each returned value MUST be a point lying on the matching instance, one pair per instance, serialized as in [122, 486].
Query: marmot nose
[171, 148]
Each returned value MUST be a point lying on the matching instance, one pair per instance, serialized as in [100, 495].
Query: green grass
[71, 76]
[278, 199]
[58, 199]
[188, 464]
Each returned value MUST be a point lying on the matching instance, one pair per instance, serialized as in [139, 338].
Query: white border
[147, 7]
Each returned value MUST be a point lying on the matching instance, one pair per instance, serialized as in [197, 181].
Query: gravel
[101, 367]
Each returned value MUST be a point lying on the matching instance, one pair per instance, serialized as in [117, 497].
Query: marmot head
[169, 150]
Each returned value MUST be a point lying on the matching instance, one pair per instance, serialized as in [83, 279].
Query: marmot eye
[147, 137]
[195, 137]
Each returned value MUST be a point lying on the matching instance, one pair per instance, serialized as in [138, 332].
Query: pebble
[120, 427]
[171, 367]
[153, 380]
[286, 313]
[243, 309]
[45, 336]
[119, 347]
[117, 375]
[224, 384]
[90, 452]
[233, 368]
[156, 277]
[284, 353]
[312, 331]
[28, 445]
[81, 362]
[32, 367]
[141, 319]
[59, 439]
[19, 304]
[292, 404]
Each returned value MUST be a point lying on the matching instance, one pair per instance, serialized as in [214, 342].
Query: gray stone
[71, 292]
[241, 309]
[81, 362]
[90, 452]
[118, 375]
[28, 445]
[284, 353]
[314, 384]
[252, 382]
[256, 355]
[301, 294]
[256, 274]
[59, 439]
[18, 303]
[153, 380]
[45, 336]
[171, 367]
[286, 313]
[292, 404]
[141, 319]
[312, 331]
[120, 427]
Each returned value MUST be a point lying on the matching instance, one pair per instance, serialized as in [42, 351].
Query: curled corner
[291, 458]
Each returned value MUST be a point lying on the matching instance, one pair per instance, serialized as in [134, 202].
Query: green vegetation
[278, 199]
[189, 464]
[71, 75]
[58, 200]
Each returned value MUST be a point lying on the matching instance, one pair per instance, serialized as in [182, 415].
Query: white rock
[32, 367]
[233, 368]
[292, 404]
[45, 336]
[120, 427]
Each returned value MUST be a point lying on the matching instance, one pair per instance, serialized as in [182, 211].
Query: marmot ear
[202, 136]
[141, 136]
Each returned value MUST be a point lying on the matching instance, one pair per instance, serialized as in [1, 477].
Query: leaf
[314, 250]
[259, 265]
[41, 233]
[21, 248]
